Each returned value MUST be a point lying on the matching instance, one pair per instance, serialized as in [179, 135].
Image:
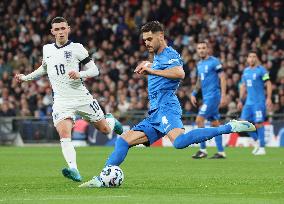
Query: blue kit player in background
[164, 118]
[211, 80]
[254, 78]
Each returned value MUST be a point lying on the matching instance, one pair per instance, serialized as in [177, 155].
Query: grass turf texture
[152, 175]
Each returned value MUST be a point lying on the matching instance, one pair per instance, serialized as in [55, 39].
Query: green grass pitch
[152, 175]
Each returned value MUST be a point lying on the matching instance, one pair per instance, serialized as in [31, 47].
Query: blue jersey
[254, 79]
[207, 71]
[161, 90]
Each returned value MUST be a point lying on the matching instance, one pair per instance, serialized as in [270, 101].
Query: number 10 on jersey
[60, 69]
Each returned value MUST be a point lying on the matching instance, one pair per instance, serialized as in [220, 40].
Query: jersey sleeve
[243, 80]
[43, 62]
[264, 74]
[173, 60]
[82, 54]
[218, 65]
[196, 71]
[39, 71]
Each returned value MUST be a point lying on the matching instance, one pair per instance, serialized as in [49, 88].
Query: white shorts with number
[88, 108]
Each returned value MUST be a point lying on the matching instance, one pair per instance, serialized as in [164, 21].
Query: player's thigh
[64, 128]
[247, 113]
[91, 112]
[133, 137]
[259, 113]
[209, 109]
[62, 112]
[174, 133]
[203, 110]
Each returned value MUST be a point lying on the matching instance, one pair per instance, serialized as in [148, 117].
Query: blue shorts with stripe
[255, 113]
[159, 122]
[210, 109]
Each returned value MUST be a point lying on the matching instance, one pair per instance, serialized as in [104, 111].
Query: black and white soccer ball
[111, 176]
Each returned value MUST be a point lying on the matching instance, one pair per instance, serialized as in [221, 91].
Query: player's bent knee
[258, 125]
[64, 134]
[127, 137]
[199, 122]
[105, 129]
[178, 144]
[134, 137]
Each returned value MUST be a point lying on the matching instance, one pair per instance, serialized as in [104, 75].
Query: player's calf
[114, 124]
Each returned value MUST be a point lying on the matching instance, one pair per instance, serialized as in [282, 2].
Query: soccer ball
[111, 176]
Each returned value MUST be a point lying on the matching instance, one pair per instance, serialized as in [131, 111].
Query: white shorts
[88, 108]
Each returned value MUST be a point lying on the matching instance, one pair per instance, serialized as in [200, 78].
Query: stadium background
[109, 29]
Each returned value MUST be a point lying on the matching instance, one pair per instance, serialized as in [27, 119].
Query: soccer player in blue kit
[254, 78]
[211, 80]
[164, 118]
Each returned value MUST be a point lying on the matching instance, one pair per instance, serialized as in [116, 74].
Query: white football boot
[241, 126]
[95, 182]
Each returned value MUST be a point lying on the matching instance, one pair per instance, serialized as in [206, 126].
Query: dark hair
[58, 19]
[254, 52]
[203, 42]
[153, 26]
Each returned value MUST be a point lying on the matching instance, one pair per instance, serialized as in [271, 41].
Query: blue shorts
[159, 122]
[210, 109]
[254, 113]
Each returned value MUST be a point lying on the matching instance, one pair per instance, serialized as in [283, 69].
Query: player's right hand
[193, 100]
[19, 77]
[142, 67]
[240, 105]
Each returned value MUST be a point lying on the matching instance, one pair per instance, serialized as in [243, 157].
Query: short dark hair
[58, 19]
[203, 42]
[254, 52]
[153, 26]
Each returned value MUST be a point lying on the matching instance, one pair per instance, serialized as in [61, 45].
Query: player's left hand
[269, 104]
[223, 101]
[74, 74]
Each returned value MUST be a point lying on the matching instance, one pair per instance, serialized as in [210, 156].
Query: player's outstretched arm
[194, 92]
[242, 96]
[32, 76]
[223, 89]
[268, 94]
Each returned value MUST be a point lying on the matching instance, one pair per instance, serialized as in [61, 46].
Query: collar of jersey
[58, 47]
[162, 51]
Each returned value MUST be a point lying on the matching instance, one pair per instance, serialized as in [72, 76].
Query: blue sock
[200, 135]
[119, 153]
[260, 132]
[253, 135]
[218, 141]
[202, 145]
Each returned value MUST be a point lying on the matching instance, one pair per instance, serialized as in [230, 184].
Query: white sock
[110, 122]
[203, 150]
[222, 153]
[69, 152]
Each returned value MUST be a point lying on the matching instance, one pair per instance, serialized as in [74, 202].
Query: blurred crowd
[109, 29]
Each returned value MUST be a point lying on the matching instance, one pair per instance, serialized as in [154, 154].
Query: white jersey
[58, 61]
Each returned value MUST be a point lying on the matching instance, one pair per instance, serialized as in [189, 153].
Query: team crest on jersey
[56, 115]
[68, 55]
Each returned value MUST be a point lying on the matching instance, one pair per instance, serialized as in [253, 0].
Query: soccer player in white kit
[61, 63]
